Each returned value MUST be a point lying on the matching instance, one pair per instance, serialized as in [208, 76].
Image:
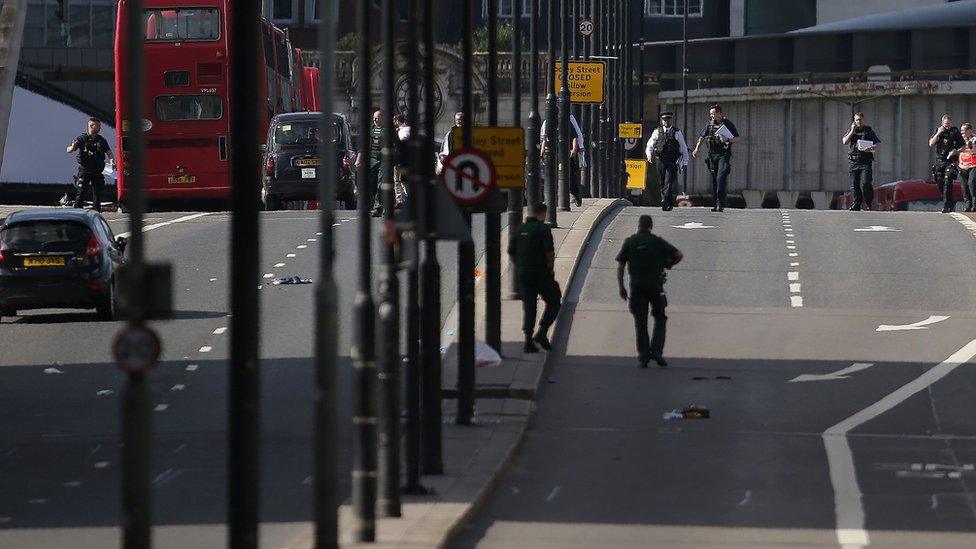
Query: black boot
[542, 340]
[529, 347]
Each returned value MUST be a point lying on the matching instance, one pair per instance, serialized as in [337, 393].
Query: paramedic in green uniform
[533, 253]
[646, 255]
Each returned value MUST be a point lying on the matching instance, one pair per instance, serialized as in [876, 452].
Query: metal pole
[618, 28]
[430, 326]
[136, 417]
[326, 467]
[684, 87]
[534, 120]
[389, 294]
[552, 126]
[415, 177]
[600, 185]
[586, 11]
[643, 32]
[564, 108]
[245, 320]
[466, 374]
[363, 351]
[515, 195]
[493, 220]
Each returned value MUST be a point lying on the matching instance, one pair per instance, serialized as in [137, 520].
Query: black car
[58, 258]
[291, 160]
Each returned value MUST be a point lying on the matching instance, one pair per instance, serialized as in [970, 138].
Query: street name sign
[636, 173]
[586, 81]
[629, 130]
[468, 175]
[505, 146]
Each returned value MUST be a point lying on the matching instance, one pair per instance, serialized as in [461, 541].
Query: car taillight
[269, 166]
[346, 165]
[94, 248]
[2, 257]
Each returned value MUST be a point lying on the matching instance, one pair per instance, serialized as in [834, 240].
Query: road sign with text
[585, 27]
[636, 173]
[506, 148]
[586, 81]
[628, 130]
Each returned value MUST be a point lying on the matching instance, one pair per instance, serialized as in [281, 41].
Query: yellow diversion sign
[636, 173]
[505, 146]
[629, 130]
[586, 81]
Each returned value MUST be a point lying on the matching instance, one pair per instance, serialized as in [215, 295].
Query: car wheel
[106, 305]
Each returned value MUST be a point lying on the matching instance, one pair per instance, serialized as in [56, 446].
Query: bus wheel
[123, 207]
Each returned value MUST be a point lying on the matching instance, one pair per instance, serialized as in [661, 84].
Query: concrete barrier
[821, 199]
[753, 197]
[787, 199]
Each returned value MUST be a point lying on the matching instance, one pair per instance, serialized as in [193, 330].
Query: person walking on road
[863, 143]
[375, 162]
[92, 151]
[719, 134]
[645, 256]
[947, 141]
[967, 166]
[533, 253]
[668, 152]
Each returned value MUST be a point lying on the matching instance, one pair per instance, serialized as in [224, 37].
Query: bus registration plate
[181, 179]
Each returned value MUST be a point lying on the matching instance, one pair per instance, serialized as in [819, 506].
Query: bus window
[171, 108]
[182, 24]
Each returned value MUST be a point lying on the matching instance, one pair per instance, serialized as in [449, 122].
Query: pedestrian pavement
[476, 456]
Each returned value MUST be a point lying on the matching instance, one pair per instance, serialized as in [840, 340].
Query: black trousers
[92, 183]
[575, 173]
[862, 184]
[639, 303]
[667, 173]
[969, 187]
[719, 166]
[532, 289]
[945, 176]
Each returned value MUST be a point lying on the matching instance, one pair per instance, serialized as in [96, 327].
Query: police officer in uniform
[947, 140]
[646, 255]
[862, 159]
[92, 150]
[668, 152]
[533, 253]
[719, 161]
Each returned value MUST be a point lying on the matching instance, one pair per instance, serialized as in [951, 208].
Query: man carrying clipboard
[719, 134]
[863, 143]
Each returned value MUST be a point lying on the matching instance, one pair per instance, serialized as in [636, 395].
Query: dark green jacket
[646, 256]
[531, 247]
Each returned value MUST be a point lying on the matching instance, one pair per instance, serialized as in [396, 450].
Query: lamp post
[532, 193]
[564, 107]
[466, 264]
[515, 195]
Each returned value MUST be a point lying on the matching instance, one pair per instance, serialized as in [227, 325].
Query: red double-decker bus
[188, 83]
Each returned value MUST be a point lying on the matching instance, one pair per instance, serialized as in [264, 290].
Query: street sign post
[468, 175]
[585, 27]
[136, 349]
[636, 173]
[586, 81]
[505, 146]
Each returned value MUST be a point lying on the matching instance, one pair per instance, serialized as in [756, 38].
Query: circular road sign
[631, 144]
[585, 27]
[136, 349]
[469, 176]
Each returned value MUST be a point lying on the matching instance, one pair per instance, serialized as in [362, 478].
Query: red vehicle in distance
[188, 83]
[907, 195]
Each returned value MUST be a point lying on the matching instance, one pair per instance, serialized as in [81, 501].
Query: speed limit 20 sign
[585, 27]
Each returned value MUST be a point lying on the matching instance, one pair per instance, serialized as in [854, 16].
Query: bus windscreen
[182, 24]
[170, 108]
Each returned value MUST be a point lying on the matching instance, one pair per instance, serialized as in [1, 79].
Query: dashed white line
[793, 254]
[101, 464]
[148, 228]
[301, 247]
[795, 288]
[792, 275]
[291, 255]
[178, 387]
[268, 275]
[746, 498]
[791, 247]
[192, 367]
[310, 240]
[791, 241]
[794, 264]
[277, 265]
[796, 301]
[206, 349]
[219, 331]
[161, 407]
[552, 495]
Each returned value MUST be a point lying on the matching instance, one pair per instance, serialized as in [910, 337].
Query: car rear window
[299, 132]
[45, 236]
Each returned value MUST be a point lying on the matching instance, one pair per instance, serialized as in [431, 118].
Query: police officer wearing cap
[533, 253]
[719, 134]
[645, 256]
[861, 156]
[668, 152]
[947, 140]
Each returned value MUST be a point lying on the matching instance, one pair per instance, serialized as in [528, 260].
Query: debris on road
[485, 356]
[105, 392]
[287, 280]
[52, 370]
[689, 412]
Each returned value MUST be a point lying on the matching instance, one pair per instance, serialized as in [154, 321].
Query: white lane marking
[206, 349]
[148, 228]
[839, 374]
[161, 407]
[746, 498]
[795, 288]
[789, 235]
[192, 367]
[213, 279]
[95, 449]
[178, 387]
[552, 495]
[791, 241]
[220, 331]
[920, 325]
[277, 265]
[935, 501]
[101, 464]
[792, 275]
[693, 225]
[796, 301]
[795, 264]
[310, 240]
[848, 505]
[72, 484]
[301, 247]
[291, 255]
[794, 254]
[877, 229]
[791, 247]
[268, 275]
[307, 481]
[320, 234]
[52, 370]
[105, 392]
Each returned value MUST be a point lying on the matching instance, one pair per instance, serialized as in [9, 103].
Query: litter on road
[286, 280]
[689, 412]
